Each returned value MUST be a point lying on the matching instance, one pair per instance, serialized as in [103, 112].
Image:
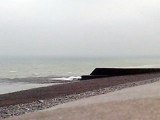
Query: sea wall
[108, 72]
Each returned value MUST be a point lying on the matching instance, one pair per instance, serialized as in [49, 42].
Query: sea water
[41, 67]
[17, 68]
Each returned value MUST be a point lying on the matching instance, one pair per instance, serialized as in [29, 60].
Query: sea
[15, 71]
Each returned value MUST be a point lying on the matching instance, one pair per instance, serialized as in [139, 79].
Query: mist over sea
[42, 67]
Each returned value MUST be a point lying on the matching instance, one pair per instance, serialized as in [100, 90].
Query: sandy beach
[134, 103]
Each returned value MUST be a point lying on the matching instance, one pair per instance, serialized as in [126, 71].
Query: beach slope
[134, 103]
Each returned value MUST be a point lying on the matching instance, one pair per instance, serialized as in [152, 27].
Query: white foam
[67, 78]
[150, 66]
[140, 66]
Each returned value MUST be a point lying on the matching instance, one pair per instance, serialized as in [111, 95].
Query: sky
[79, 28]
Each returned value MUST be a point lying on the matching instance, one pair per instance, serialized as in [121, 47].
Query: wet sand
[8, 85]
[19, 86]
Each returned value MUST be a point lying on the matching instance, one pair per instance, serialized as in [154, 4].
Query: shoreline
[136, 103]
[8, 85]
[6, 88]
[47, 102]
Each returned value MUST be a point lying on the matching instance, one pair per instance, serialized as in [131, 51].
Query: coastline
[6, 88]
[8, 85]
[133, 103]
[92, 88]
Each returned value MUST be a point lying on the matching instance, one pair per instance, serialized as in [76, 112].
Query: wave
[140, 66]
[71, 78]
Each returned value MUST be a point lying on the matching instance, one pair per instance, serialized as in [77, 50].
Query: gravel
[15, 110]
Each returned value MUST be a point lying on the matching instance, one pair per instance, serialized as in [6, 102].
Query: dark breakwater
[108, 72]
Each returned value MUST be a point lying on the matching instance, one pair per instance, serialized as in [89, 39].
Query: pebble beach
[8, 111]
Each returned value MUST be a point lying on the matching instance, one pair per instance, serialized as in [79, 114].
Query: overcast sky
[79, 28]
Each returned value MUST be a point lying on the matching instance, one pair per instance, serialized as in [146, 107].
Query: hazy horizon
[90, 28]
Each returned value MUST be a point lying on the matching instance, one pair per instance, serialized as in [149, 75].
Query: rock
[41, 101]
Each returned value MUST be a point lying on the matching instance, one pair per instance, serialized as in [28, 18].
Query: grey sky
[79, 27]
